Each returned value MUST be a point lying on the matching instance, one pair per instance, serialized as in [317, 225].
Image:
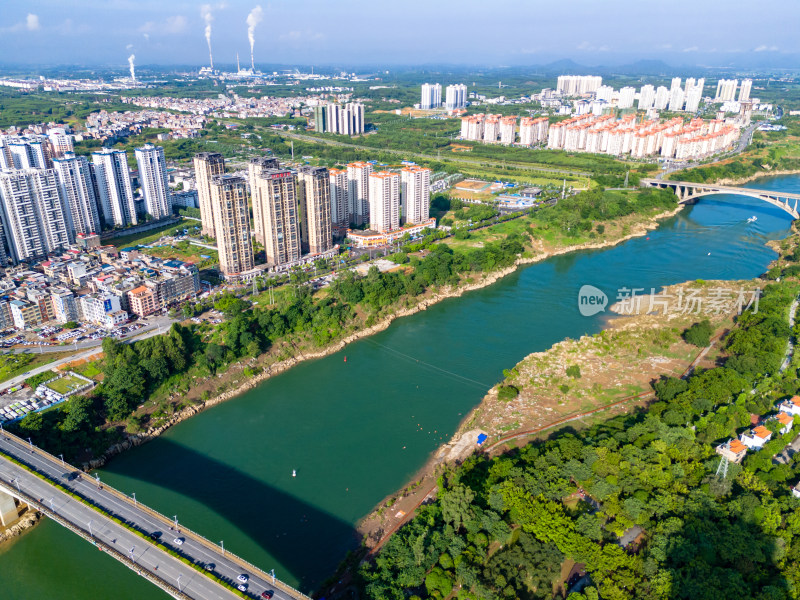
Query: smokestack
[133, 71]
[253, 19]
[205, 12]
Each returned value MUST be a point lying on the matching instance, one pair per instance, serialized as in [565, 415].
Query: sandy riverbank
[485, 280]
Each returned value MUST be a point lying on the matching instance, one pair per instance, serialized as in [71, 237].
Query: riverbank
[26, 522]
[234, 374]
[756, 176]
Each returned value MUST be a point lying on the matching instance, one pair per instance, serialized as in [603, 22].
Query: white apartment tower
[60, 142]
[647, 96]
[676, 95]
[358, 192]
[314, 193]
[627, 95]
[34, 223]
[275, 198]
[577, 85]
[456, 97]
[77, 191]
[662, 98]
[114, 187]
[232, 224]
[206, 166]
[726, 90]
[339, 197]
[431, 96]
[154, 181]
[255, 166]
[415, 191]
[744, 90]
[384, 201]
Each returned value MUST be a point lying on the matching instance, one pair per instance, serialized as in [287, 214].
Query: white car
[178, 541]
[243, 578]
[242, 587]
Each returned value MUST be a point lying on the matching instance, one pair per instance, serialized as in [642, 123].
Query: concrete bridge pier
[9, 512]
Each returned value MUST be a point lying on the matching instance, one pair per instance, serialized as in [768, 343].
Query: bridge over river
[688, 191]
[137, 536]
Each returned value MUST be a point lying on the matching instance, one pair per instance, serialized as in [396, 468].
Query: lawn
[186, 252]
[66, 384]
[12, 365]
[148, 237]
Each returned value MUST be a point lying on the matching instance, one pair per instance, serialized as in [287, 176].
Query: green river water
[358, 430]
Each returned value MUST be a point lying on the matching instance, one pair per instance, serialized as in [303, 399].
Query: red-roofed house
[757, 437]
[791, 407]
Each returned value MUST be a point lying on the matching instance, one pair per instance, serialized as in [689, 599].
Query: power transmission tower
[723, 467]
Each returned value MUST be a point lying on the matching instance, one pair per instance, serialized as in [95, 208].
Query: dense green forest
[503, 527]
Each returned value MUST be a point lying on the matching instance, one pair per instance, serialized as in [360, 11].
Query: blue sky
[353, 32]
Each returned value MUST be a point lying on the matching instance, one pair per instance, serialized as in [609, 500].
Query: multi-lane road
[177, 578]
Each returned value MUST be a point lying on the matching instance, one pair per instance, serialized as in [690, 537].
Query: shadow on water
[301, 535]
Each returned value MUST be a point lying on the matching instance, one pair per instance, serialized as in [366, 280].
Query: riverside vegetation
[514, 526]
[147, 381]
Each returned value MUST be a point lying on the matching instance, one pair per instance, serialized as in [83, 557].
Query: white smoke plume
[205, 13]
[253, 19]
[131, 58]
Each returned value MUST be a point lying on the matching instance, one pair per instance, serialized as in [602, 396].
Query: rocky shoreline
[27, 521]
[756, 176]
[133, 440]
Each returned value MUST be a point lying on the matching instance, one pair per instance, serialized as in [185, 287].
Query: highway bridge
[688, 192]
[182, 563]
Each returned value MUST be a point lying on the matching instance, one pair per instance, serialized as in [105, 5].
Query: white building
[384, 201]
[416, 194]
[662, 98]
[347, 119]
[577, 85]
[757, 437]
[726, 90]
[103, 310]
[28, 153]
[154, 181]
[339, 197]
[60, 141]
[34, 223]
[358, 191]
[676, 95]
[456, 97]
[790, 407]
[431, 96]
[744, 90]
[77, 190]
[694, 94]
[604, 92]
[647, 96]
[64, 305]
[627, 95]
[114, 187]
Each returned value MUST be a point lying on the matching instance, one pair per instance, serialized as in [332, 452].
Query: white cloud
[31, 23]
[170, 26]
[691, 49]
[591, 47]
[666, 46]
[129, 47]
[765, 48]
[146, 37]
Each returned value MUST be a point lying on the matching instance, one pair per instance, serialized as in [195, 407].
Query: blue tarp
[482, 438]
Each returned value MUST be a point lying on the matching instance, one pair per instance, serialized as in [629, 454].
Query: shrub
[699, 334]
[507, 393]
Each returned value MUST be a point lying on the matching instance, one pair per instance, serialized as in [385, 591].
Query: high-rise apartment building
[255, 166]
[647, 97]
[456, 97]
[431, 96]
[676, 95]
[26, 153]
[726, 90]
[78, 193]
[415, 191]
[662, 98]
[34, 223]
[207, 165]
[232, 224]
[577, 85]
[744, 90]
[340, 216]
[358, 191]
[60, 142]
[694, 93]
[344, 119]
[384, 201]
[275, 199]
[314, 200]
[532, 131]
[508, 130]
[627, 95]
[114, 187]
[154, 181]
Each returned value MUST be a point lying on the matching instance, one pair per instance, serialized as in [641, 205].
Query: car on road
[209, 566]
[267, 594]
[178, 541]
[243, 578]
[155, 535]
[242, 587]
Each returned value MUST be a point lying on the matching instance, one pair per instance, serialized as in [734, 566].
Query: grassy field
[148, 237]
[12, 365]
[186, 252]
[66, 384]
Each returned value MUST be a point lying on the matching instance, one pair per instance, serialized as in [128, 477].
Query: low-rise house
[733, 450]
[757, 437]
[791, 407]
[796, 491]
[143, 301]
[786, 421]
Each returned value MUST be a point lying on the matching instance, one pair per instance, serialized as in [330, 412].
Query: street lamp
[131, 553]
[272, 572]
[134, 499]
[61, 456]
[222, 545]
[30, 443]
[176, 521]
[51, 505]
[15, 480]
[179, 583]
[90, 528]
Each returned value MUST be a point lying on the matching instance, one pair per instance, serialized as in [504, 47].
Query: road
[409, 154]
[744, 141]
[158, 325]
[144, 553]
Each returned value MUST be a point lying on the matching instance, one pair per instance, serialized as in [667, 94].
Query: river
[356, 430]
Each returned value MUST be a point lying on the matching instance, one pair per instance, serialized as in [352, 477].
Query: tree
[455, 503]
[699, 334]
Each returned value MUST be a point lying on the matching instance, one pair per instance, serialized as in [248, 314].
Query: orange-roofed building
[733, 450]
[786, 422]
[757, 437]
[790, 407]
[143, 301]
